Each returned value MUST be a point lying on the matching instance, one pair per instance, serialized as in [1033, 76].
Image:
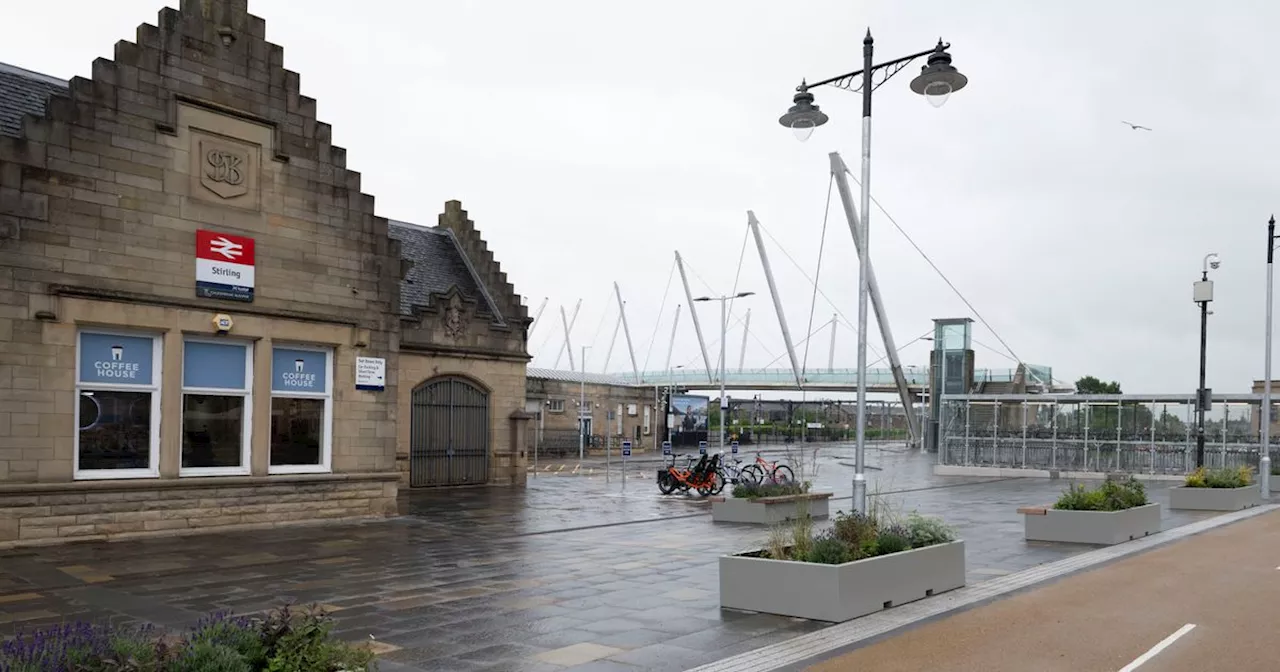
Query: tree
[1092, 385]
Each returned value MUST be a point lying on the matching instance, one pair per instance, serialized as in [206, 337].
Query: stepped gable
[212, 54]
[503, 293]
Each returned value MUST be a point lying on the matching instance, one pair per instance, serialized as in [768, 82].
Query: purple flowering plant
[283, 641]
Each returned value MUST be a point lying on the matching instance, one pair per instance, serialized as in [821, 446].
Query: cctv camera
[1214, 264]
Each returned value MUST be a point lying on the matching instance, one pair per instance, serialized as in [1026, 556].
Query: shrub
[283, 642]
[829, 549]
[857, 530]
[754, 491]
[892, 539]
[854, 536]
[1219, 478]
[927, 531]
[1112, 495]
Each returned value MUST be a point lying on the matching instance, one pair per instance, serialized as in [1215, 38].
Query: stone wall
[503, 380]
[602, 399]
[101, 197]
[112, 510]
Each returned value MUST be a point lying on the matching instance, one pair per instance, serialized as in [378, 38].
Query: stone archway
[449, 433]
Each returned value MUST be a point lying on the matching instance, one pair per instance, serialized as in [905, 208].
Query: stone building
[203, 323]
[615, 410]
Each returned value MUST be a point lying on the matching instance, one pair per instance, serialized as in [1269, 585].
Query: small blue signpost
[702, 447]
[733, 447]
[626, 452]
[666, 447]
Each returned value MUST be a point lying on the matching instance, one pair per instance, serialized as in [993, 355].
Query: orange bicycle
[778, 473]
[703, 476]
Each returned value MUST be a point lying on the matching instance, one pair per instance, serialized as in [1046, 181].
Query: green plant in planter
[1111, 495]
[893, 539]
[828, 549]
[927, 531]
[1219, 478]
[755, 491]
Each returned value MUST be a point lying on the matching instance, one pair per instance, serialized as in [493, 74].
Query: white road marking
[1153, 651]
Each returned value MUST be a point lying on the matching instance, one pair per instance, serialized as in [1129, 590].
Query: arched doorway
[448, 433]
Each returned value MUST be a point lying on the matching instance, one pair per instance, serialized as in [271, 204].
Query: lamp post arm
[848, 80]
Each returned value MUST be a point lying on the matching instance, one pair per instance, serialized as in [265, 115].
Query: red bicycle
[778, 473]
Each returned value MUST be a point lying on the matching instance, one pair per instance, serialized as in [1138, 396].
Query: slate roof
[439, 265]
[24, 92]
[576, 377]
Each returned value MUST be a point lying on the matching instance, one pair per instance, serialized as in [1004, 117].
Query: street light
[1264, 461]
[724, 329]
[937, 80]
[582, 403]
[1202, 293]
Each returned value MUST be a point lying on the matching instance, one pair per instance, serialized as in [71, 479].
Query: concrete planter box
[769, 510]
[837, 593]
[1215, 499]
[1091, 527]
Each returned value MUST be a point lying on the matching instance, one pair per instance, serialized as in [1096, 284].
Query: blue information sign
[626, 449]
[666, 447]
[733, 447]
[702, 447]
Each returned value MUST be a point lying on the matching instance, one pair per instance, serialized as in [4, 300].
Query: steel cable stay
[942, 275]
[815, 332]
[817, 274]
[821, 293]
[661, 310]
[596, 336]
[729, 331]
[746, 236]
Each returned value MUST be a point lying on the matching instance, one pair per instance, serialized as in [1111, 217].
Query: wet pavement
[570, 573]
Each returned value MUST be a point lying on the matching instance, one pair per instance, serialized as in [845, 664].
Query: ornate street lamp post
[937, 80]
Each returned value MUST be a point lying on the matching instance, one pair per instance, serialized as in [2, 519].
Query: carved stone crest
[455, 325]
[223, 169]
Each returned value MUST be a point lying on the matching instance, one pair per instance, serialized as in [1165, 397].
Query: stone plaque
[455, 325]
[224, 171]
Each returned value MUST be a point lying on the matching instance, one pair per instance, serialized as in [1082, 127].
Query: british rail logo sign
[224, 266]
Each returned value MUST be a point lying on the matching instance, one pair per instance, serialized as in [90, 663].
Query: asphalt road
[1210, 602]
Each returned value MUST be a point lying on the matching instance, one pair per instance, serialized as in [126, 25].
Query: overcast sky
[590, 142]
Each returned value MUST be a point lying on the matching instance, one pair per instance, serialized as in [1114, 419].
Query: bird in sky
[1135, 126]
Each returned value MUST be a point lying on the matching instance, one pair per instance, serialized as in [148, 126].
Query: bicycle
[703, 477]
[732, 474]
[778, 473]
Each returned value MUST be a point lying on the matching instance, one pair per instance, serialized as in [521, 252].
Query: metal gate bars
[448, 433]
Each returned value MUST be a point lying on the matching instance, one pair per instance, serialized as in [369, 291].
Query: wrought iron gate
[448, 434]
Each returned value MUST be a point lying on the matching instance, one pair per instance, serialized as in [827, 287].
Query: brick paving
[569, 574]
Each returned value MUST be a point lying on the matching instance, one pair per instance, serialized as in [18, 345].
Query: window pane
[212, 430]
[115, 430]
[297, 431]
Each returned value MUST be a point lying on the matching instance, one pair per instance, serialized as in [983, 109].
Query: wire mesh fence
[1098, 433]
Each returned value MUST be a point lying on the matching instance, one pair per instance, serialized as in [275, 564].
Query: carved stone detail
[455, 324]
[224, 170]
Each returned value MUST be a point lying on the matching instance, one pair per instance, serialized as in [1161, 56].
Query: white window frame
[246, 439]
[555, 405]
[155, 389]
[326, 442]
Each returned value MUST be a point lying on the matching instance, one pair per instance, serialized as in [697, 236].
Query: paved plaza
[570, 573]
[1195, 615]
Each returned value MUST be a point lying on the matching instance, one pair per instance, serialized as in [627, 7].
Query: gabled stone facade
[118, 410]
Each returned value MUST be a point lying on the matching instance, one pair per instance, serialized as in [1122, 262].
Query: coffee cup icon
[297, 366]
[117, 352]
